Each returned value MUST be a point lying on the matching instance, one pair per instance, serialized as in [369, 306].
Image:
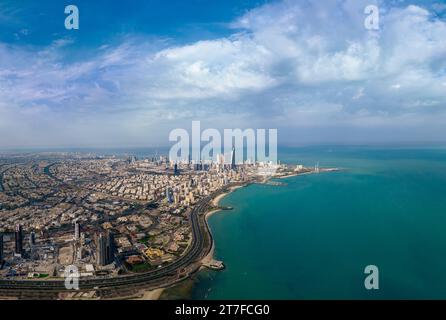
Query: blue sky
[135, 71]
[105, 21]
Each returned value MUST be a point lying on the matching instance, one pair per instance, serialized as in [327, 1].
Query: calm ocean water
[313, 237]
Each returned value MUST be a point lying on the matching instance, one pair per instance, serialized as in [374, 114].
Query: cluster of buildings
[48, 256]
[103, 214]
[178, 189]
[18, 249]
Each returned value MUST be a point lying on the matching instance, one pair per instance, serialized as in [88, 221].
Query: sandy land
[288, 176]
[210, 256]
[151, 294]
[322, 170]
[217, 199]
[215, 202]
[296, 174]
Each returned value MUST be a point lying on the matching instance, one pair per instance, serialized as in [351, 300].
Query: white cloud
[288, 64]
[222, 68]
[359, 94]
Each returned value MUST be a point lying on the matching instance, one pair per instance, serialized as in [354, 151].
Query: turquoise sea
[313, 237]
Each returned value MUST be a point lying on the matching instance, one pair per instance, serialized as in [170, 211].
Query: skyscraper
[169, 195]
[32, 239]
[233, 166]
[102, 260]
[77, 231]
[1, 249]
[18, 240]
[106, 249]
[110, 248]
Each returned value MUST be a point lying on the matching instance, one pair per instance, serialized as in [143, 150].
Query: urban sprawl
[107, 215]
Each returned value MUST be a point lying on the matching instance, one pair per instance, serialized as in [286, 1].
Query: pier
[214, 265]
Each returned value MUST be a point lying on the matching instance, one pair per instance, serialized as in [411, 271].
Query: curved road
[196, 252]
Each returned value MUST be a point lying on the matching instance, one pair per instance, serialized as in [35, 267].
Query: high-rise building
[77, 231]
[82, 240]
[110, 248]
[1, 249]
[176, 171]
[106, 249]
[132, 159]
[102, 260]
[18, 240]
[233, 166]
[169, 195]
[79, 252]
[32, 239]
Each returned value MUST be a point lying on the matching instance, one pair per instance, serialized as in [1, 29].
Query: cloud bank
[308, 68]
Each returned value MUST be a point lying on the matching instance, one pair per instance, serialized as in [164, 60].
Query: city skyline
[199, 151]
[92, 216]
[129, 77]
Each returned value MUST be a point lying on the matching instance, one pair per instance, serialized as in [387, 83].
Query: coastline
[322, 170]
[215, 202]
[295, 175]
[209, 257]
[204, 210]
[153, 294]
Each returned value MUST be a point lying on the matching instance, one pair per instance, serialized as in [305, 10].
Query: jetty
[214, 264]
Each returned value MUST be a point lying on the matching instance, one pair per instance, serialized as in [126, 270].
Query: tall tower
[222, 162]
[175, 169]
[106, 249]
[233, 166]
[1, 249]
[169, 195]
[110, 248]
[102, 255]
[18, 240]
[77, 231]
[32, 239]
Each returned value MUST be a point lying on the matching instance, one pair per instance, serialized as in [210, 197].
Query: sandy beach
[288, 176]
[322, 170]
[215, 202]
[217, 199]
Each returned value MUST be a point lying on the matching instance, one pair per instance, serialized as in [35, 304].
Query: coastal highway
[178, 269]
